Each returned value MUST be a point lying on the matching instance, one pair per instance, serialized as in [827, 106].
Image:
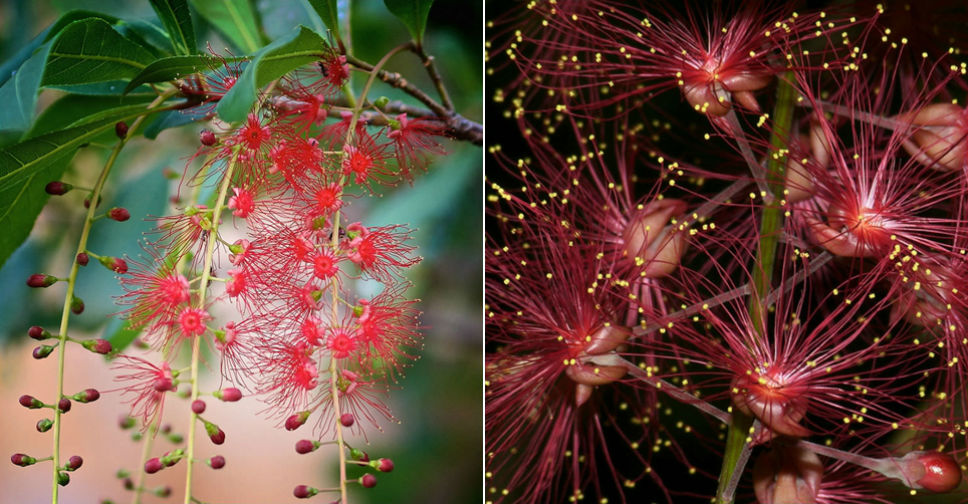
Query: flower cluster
[787, 261]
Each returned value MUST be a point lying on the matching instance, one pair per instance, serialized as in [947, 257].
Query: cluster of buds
[786, 257]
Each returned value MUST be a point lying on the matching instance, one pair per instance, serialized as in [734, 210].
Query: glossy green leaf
[173, 119]
[303, 46]
[413, 13]
[236, 19]
[91, 50]
[75, 110]
[25, 168]
[173, 67]
[19, 94]
[108, 88]
[148, 36]
[175, 16]
[328, 14]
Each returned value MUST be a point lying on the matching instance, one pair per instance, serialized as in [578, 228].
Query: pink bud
[38, 333]
[304, 492]
[30, 402]
[22, 460]
[64, 405]
[121, 129]
[100, 346]
[42, 351]
[87, 395]
[230, 394]
[44, 425]
[114, 264]
[163, 384]
[83, 259]
[296, 421]
[382, 465]
[217, 462]
[368, 481]
[198, 406]
[119, 214]
[41, 280]
[304, 446]
[57, 188]
[207, 138]
[77, 305]
[347, 419]
[74, 463]
[941, 472]
[153, 465]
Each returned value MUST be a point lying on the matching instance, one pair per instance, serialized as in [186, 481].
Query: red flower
[365, 162]
[191, 322]
[380, 252]
[414, 143]
[155, 293]
[146, 385]
[242, 203]
[388, 328]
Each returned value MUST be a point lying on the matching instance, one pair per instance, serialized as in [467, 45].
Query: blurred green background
[436, 449]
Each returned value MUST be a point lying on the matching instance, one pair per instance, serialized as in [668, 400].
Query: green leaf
[173, 67]
[25, 168]
[107, 88]
[235, 19]
[174, 14]
[74, 110]
[173, 119]
[413, 13]
[273, 61]
[91, 50]
[19, 94]
[328, 13]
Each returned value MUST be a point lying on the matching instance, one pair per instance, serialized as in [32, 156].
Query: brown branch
[428, 63]
[458, 126]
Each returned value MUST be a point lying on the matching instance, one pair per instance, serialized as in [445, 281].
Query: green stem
[771, 224]
[196, 343]
[72, 281]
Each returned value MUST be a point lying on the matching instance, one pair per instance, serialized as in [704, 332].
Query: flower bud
[216, 434]
[304, 446]
[128, 484]
[30, 402]
[368, 481]
[347, 419]
[121, 129]
[77, 305]
[87, 395]
[296, 421]
[74, 463]
[163, 384]
[64, 405]
[101, 346]
[217, 462]
[198, 406]
[82, 259]
[22, 460]
[304, 492]
[87, 202]
[41, 280]
[360, 455]
[153, 465]
[230, 394]
[38, 333]
[126, 422]
[57, 188]
[119, 214]
[114, 264]
[43, 351]
[164, 491]
[934, 471]
[63, 478]
[382, 464]
[207, 138]
[44, 425]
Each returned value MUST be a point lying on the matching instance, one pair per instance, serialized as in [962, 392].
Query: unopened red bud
[382, 465]
[115, 264]
[304, 492]
[230, 394]
[22, 460]
[347, 419]
[38, 333]
[296, 421]
[63, 478]
[128, 484]
[57, 188]
[941, 472]
[304, 446]
[164, 491]
[83, 259]
[101, 346]
[87, 395]
[74, 463]
[218, 438]
[207, 138]
[77, 305]
[31, 402]
[217, 462]
[121, 129]
[64, 405]
[198, 406]
[43, 351]
[44, 425]
[360, 455]
[119, 214]
[41, 280]
[126, 422]
[368, 481]
[153, 465]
